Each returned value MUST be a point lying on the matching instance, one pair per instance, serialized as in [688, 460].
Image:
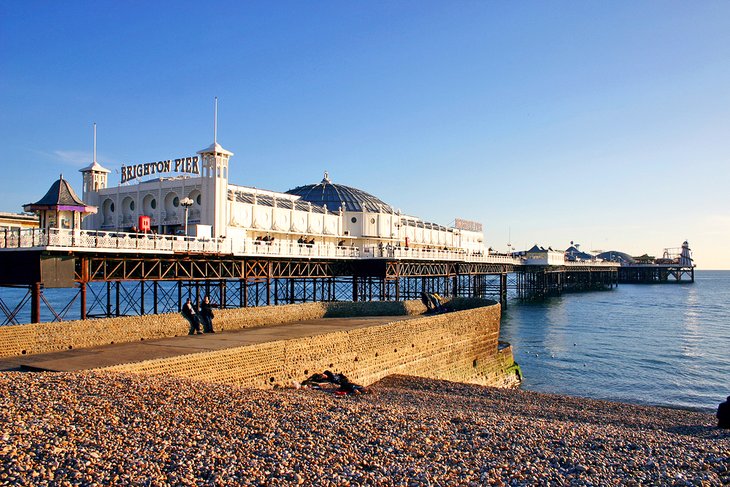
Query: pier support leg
[268, 290]
[116, 311]
[35, 303]
[503, 290]
[155, 284]
[82, 292]
[179, 296]
[108, 299]
[354, 288]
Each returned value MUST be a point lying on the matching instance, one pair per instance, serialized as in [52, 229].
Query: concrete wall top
[35, 338]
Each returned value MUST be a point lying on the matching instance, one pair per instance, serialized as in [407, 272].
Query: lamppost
[187, 203]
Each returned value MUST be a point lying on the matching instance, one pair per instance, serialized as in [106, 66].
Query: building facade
[193, 196]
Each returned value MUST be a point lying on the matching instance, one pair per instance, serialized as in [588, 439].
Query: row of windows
[152, 203]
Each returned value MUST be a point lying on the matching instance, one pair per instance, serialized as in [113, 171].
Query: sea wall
[35, 338]
[461, 345]
[458, 346]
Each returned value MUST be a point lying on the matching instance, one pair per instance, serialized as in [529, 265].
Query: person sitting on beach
[206, 315]
[723, 414]
[188, 312]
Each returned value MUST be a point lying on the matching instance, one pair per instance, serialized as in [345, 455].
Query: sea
[658, 344]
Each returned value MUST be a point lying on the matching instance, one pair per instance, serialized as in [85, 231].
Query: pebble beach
[112, 429]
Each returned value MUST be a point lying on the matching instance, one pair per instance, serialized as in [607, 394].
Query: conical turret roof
[60, 196]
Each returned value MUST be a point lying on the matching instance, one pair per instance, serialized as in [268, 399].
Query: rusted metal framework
[656, 273]
[110, 284]
[538, 282]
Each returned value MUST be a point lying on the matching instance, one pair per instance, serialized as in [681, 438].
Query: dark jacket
[188, 311]
[723, 414]
[206, 310]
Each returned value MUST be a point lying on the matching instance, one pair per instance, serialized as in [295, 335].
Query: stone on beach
[94, 428]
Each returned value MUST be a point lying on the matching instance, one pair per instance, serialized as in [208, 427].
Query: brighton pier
[143, 247]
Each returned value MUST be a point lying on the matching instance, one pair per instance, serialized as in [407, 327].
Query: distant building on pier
[17, 221]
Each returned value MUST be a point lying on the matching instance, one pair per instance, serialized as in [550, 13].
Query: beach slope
[103, 428]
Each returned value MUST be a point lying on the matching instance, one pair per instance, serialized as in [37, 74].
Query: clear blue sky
[607, 123]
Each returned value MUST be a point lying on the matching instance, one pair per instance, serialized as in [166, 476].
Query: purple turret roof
[60, 196]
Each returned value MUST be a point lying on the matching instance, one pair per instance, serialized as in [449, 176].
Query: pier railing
[405, 253]
[100, 241]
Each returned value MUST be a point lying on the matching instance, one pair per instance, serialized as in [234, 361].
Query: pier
[120, 273]
[185, 231]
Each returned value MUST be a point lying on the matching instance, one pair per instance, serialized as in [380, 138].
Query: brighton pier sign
[183, 165]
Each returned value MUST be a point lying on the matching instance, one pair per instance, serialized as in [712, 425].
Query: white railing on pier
[405, 253]
[87, 240]
[81, 240]
[591, 263]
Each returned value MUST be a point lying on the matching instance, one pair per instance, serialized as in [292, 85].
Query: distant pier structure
[675, 265]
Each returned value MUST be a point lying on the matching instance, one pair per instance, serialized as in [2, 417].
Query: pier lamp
[186, 203]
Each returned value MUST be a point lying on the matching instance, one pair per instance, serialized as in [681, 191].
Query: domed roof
[337, 195]
[616, 256]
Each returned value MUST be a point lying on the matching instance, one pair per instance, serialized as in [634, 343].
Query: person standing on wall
[206, 315]
[188, 312]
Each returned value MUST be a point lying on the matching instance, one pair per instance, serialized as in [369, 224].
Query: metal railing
[377, 252]
[81, 240]
[86, 240]
[591, 263]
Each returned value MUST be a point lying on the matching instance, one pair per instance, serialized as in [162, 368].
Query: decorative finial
[61, 177]
[326, 178]
[215, 122]
[94, 141]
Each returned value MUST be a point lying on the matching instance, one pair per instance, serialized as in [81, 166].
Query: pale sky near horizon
[603, 123]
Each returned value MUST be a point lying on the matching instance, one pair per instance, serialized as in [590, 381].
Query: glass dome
[337, 195]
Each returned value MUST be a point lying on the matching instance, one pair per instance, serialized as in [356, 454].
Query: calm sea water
[662, 344]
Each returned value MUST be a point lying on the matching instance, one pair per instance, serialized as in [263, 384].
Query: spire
[94, 166]
[215, 148]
